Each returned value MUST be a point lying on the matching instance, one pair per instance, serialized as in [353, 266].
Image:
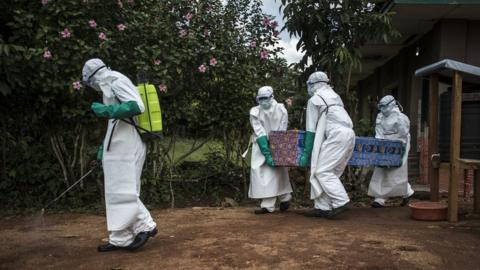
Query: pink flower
[183, 33]
[289, 102]
[157, 62]
[202, 68]
[213, 62]
[188, 16]
[121, 27]
[44, 2]
[102, 36]
[266, 22]
[120, 4]
[253, 44]
[76, 85]
[131, 2]
[47, 54]
[275, 33]
[92, 23]
[264, 54]
[65, 33]
[163, 88]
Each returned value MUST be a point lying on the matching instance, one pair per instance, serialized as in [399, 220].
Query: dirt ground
[234, 238]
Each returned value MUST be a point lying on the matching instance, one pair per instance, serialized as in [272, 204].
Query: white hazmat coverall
[123, 158]
[391, 124]
[333, 145]
[268, 183]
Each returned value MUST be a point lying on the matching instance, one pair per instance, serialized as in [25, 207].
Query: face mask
[266, 104]
[103, 85]
[90, 81]
[311, 90]
[386, 109]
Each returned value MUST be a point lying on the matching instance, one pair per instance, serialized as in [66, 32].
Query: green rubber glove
[265, 149]
[307, 152]
[100, 153]
[118, 111]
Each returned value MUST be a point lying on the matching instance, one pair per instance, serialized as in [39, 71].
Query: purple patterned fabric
[286, 147]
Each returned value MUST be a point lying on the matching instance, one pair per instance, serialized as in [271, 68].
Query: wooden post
[455, 170]
[433, 138]
[476, 191]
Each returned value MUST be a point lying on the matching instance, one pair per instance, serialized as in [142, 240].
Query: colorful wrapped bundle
[286, 147]
[376, 152]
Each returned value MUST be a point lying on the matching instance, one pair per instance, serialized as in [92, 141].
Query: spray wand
[69, 188]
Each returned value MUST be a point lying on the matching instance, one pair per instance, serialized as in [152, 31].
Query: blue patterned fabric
[376, 152]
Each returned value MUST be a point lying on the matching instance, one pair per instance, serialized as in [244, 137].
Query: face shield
[265, 101]
[88, 79]
[315, 81]
[386, 105]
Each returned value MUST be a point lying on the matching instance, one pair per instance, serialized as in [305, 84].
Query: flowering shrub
[211, 57]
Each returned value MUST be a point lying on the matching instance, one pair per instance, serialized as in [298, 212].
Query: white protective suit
[123, 158]
[268, 183]
[333, 145]
[391, 124]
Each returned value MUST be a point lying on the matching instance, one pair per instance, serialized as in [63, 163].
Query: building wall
[453, 39]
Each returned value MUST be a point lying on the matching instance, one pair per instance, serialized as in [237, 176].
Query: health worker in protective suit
[391, 124]
[329, 143]
[122, 155]
[266, 181]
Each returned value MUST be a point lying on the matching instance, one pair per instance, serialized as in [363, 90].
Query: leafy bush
[207, 60]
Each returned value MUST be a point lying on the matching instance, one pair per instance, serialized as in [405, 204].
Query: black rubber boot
[261, 211]
[284, 206]
[108, 247]
[339, 210]
[153, 232]
[376, 205]
[406, 200]
[141, 239]
[318, 213]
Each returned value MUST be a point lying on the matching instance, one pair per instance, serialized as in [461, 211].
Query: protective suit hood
[388, 105]
[98, 76]
[316, 81]
[265, 97]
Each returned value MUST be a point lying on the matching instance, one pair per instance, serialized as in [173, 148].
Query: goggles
[263, 98]
[383, 106]
[309, 83]
[87, 81]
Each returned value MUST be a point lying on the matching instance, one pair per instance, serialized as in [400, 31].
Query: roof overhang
[447, 67]
[413, 19]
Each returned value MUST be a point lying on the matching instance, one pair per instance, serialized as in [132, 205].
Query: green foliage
[331, 33]
[365, 128]
[199, 54]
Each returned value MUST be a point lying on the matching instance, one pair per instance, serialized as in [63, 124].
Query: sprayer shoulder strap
[115, 122]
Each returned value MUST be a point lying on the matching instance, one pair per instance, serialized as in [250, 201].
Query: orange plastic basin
[429, 211]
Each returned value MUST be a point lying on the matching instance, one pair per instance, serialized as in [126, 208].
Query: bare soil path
[234, 238]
